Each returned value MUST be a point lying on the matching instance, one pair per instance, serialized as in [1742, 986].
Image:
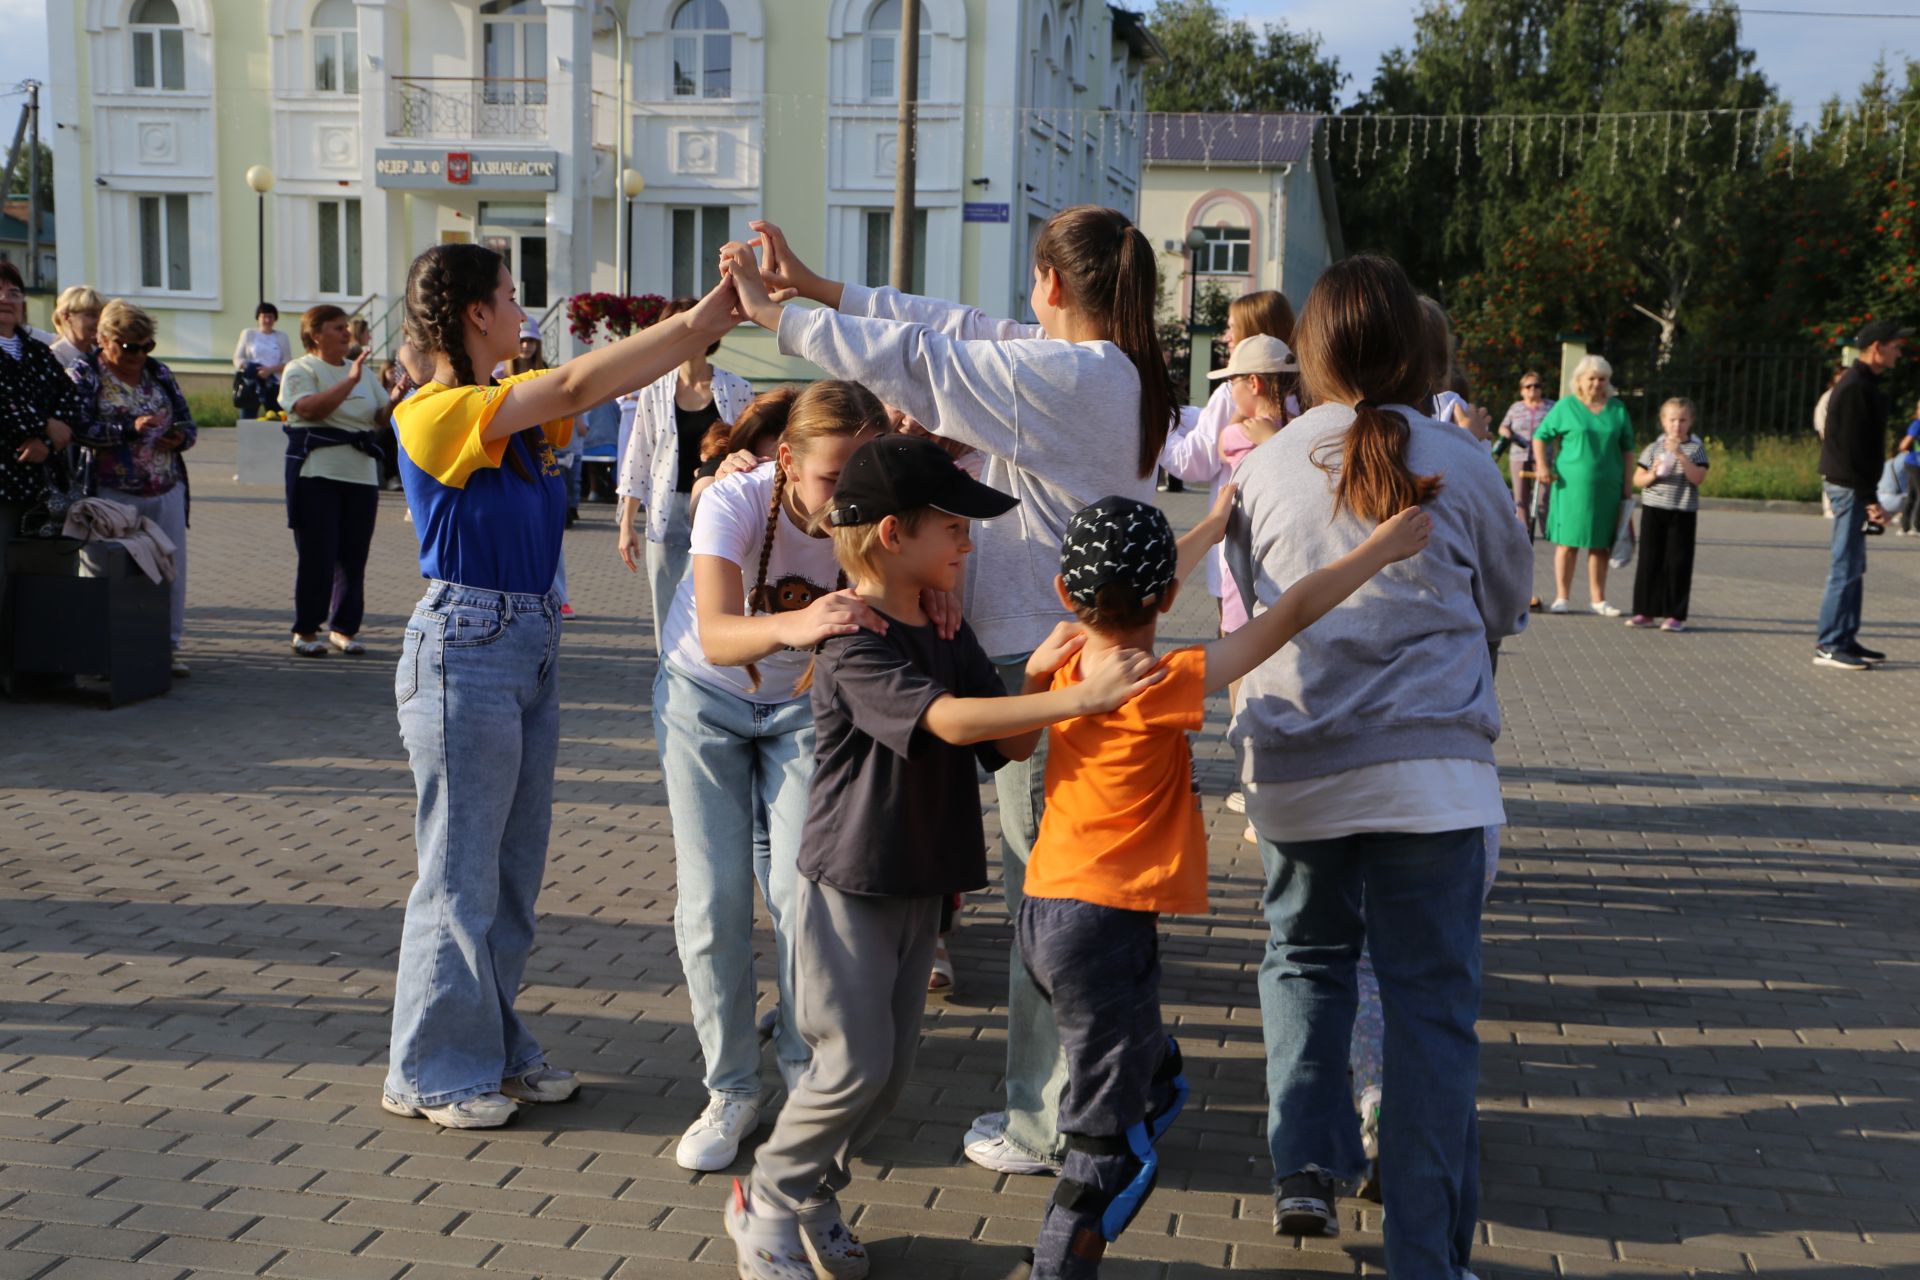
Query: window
[1229, 252]
[879, 229]
[164, 261]
[883, 50]
[702, 50]
[513, 51]
[698, 234]
[340, 247]
[159, 46]
[336, 48]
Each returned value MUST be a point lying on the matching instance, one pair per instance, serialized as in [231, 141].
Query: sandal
[309, 648]
[347, 645]
[940, 979]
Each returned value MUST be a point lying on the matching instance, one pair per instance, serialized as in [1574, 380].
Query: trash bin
[85, 608]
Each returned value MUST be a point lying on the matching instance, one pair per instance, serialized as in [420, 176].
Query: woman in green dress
[1584, 449]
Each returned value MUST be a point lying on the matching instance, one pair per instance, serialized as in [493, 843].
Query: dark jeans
[1422, 930]
[1846, 571]
[1099, 969]
[263, 394]
[1663, 582]
[333, 537]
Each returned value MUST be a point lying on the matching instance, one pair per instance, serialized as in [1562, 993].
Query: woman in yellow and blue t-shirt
[477, 692]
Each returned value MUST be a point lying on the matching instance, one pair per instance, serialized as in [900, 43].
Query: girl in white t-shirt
[735, 732]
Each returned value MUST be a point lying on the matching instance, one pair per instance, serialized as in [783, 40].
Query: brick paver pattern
[1700, 1014]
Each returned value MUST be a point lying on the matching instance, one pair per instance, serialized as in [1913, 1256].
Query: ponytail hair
[441, 284]
[1365, 341]
[1108, 267]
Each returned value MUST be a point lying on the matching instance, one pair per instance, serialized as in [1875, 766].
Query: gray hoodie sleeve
[1503, 581]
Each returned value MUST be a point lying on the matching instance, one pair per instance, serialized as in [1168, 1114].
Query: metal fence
[1742, 393]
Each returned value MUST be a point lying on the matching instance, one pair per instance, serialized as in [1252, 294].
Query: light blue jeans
[667, 564]
[725, 759]
[478, 693]
[1036, 1066]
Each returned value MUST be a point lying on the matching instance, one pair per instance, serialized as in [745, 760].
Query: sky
[1808, 59]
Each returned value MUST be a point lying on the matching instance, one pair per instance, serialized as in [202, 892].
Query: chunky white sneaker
[488, 1111]
[836, 1253]
[542, 1084]
[1001, 1156]
[1560, 606]
[714, 1139]
[1606, 610]
[1236, 802]
[768, 1246]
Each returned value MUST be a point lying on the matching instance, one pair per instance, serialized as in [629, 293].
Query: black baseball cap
[1118, 540]
[1881, 331]
[899, 473]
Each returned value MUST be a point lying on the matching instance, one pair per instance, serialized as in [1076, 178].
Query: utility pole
[33, 184]
[904, 176]
[13, 155]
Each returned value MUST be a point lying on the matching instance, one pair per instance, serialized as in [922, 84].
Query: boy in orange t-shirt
[1122, 842]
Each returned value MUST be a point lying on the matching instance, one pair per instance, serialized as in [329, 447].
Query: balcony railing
[457, 107]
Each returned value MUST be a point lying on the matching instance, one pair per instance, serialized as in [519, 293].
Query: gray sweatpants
[859, 991]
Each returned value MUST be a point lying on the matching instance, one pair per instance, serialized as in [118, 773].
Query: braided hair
[441, 284]
[823, 410]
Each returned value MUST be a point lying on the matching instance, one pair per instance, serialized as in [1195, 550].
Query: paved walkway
[1701, 1012]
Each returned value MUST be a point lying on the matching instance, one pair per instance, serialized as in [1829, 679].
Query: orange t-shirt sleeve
[1180, 700]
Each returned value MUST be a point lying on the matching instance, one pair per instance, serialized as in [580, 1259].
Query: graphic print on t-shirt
[789, 595]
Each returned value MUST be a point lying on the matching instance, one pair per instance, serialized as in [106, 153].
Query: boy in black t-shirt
[901, 717]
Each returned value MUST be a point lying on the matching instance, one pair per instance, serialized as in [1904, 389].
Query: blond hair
[122, 321]
[77, 300]
[857, 546]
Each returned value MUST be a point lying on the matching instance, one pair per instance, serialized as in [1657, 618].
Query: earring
[483, 333]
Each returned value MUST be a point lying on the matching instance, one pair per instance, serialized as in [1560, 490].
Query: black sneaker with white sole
[1840, 658]
[1865, 654]
[1305, 1204]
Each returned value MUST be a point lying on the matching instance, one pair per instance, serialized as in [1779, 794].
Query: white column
[384, 248]
[1002, 143]
[570, 239]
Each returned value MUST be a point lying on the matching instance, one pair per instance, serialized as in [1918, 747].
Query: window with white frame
[702, 50]
[513, 51]
[159, 45]
[883, 54]
[878, 228]
[339, 241]
[336, 48]
[1228, 252]
[698, 233]
[165, 228]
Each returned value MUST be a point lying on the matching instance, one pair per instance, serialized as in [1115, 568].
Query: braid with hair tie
[757, 598]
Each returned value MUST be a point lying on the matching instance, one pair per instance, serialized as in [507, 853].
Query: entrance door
[518, 233]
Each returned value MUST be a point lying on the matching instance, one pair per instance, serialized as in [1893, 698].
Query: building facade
[1268, 215]
[392, 125]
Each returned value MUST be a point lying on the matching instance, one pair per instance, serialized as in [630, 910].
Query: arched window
[513, 50]
[336, 47]
[883, 54]
[159, 46]
[1067, 72]
[1039, 87]
[702, 50]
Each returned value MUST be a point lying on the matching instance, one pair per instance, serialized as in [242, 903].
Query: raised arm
[627, 365]
[1108, 680]
[1194, 544]
[1307, 600]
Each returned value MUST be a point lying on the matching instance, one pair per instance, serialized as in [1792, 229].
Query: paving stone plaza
[1702, 1000]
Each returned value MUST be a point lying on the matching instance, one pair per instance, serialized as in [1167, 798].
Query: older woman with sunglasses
[135, 424]
[1522, 419]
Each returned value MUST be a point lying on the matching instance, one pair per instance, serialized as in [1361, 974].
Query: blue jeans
[478, 694]
[1422, 895]
[667, 563]
[1036, 1067]
[724, 759]
[1840, 607]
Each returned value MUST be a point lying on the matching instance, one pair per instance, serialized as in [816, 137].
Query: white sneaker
[542, 1084]
[713, 1140]
[1236, 802]
[1001, 1156]
[835, 1251]
[488, 1111]
[1560, 606]
[1606, 610]
[768, 1246]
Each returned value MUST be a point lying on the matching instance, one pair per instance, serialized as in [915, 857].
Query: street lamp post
[260, 178]
[1196, 245]
[631, 185]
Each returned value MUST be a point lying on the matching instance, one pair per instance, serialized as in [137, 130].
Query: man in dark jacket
[1850, 458]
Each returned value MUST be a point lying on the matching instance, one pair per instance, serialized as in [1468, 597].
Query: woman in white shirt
[259, 358]
[333, 482]
[658, 459]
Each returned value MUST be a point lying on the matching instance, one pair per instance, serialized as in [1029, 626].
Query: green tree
[1215, 63]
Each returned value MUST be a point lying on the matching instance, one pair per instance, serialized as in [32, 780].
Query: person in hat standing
[1851, 452]
[902, 716]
